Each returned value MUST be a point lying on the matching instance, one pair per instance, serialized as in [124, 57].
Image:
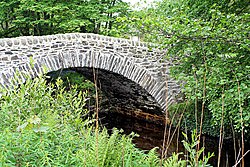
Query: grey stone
[139, 62]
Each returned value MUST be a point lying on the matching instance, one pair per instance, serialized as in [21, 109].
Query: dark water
[151, 135]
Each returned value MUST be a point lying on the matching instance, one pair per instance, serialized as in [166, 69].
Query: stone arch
[134, 60]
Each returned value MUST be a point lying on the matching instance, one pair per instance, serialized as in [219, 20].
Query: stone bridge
[141, 63]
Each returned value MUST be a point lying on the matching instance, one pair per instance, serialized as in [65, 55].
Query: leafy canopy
[209, 43]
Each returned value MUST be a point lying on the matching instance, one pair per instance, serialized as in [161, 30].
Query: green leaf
[41, 129]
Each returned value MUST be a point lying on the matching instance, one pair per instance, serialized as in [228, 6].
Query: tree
[41, 17]
[209, 43]
[211, 52]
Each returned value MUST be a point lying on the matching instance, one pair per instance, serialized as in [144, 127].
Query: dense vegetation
[43, 125]
[209, 43]
[207, 40]
[33, 17]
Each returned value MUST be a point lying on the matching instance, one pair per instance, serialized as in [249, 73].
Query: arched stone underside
[119, 93]
[143, 64]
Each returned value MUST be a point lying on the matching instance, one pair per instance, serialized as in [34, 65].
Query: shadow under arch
[119, 94]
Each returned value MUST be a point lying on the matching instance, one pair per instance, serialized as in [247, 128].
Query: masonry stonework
[140, 62]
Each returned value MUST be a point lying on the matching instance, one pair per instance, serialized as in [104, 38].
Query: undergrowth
[41, 125]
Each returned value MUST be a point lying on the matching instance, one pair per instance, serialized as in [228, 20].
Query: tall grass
[41, 125]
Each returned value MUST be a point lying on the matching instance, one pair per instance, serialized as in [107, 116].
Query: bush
[42, 126]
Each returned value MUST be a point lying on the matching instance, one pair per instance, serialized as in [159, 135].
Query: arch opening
[119, 94]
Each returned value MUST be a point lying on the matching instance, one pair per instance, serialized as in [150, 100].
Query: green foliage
[199, 8]
[32, 17]
[194, 159]
[41, 125]
[209, 43]
[174, 161]
[189, 121]
[75, 79]
[34, 98]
